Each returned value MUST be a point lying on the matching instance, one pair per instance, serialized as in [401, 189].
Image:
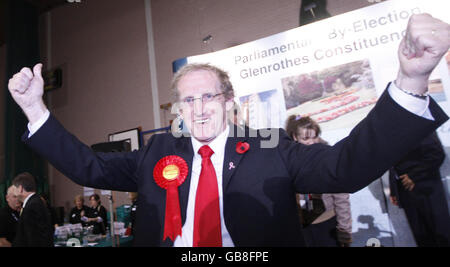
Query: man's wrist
[35, 113]
[415, 86]
[33, 128]
[415, 105]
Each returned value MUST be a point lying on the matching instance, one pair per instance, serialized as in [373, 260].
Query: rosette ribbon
[169, 173]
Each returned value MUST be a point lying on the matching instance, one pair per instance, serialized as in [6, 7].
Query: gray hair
[225, 84]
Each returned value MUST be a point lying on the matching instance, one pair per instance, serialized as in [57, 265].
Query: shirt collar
[217, 145]
[26, 199]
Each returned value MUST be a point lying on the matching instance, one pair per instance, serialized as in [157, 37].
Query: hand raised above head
[27, 88]
[426, 41]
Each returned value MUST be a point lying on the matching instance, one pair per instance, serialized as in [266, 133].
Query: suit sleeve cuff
[37, 125]
[412, 104]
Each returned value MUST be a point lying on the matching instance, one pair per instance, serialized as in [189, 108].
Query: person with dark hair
[303, 129]
[416, 186]
[96, 215]
[231, 186]
[9, 217]
[133, 197]
[326, 218]
[35, 227]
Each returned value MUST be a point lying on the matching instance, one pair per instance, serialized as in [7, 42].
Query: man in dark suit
[226, 186]
[416, 185]
[35, 227]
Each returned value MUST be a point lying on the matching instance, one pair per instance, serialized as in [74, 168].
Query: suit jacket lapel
[184, 149]
[232, 158]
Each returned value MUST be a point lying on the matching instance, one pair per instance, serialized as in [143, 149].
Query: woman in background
[78, 211]
[96, 215]
[326, 218]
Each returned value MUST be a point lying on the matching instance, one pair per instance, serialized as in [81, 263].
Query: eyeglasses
[205, 98]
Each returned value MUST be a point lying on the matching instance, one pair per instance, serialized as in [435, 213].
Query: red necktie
[207, 231]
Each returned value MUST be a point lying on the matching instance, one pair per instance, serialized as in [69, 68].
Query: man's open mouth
[201, 121]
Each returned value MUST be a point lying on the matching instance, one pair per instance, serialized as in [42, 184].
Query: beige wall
[180, 25]
[102, 47]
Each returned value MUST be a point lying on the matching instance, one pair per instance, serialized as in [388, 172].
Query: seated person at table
[96, 215]
[78, 211]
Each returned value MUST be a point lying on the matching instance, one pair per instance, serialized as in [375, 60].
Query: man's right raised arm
[27, 88]
[46, 136]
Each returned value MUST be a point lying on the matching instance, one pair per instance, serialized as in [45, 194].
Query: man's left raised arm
[403, 116]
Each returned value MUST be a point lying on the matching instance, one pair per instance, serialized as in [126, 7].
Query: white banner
[332, 70]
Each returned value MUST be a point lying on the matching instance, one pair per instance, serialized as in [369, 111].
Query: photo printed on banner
[336, 97]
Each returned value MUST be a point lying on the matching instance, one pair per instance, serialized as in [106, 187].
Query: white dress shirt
[32, 128]
[412, 104]
[218, 146]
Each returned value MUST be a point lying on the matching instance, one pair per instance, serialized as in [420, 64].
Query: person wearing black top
[78, 211]
[35, 227]
[133, 197]
[9, 216]
[96, 215]
[416, 186]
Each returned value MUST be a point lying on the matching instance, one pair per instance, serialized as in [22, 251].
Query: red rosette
[165, 175]
[169, 173]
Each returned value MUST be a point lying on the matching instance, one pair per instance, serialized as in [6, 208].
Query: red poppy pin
[242, 147]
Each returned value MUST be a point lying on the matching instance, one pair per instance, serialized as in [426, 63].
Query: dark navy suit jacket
[35, 228]
[422, 165]
[426, 205]
[259, 193]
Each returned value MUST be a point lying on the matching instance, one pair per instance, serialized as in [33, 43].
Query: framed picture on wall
[145, 136]
[132, 135]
